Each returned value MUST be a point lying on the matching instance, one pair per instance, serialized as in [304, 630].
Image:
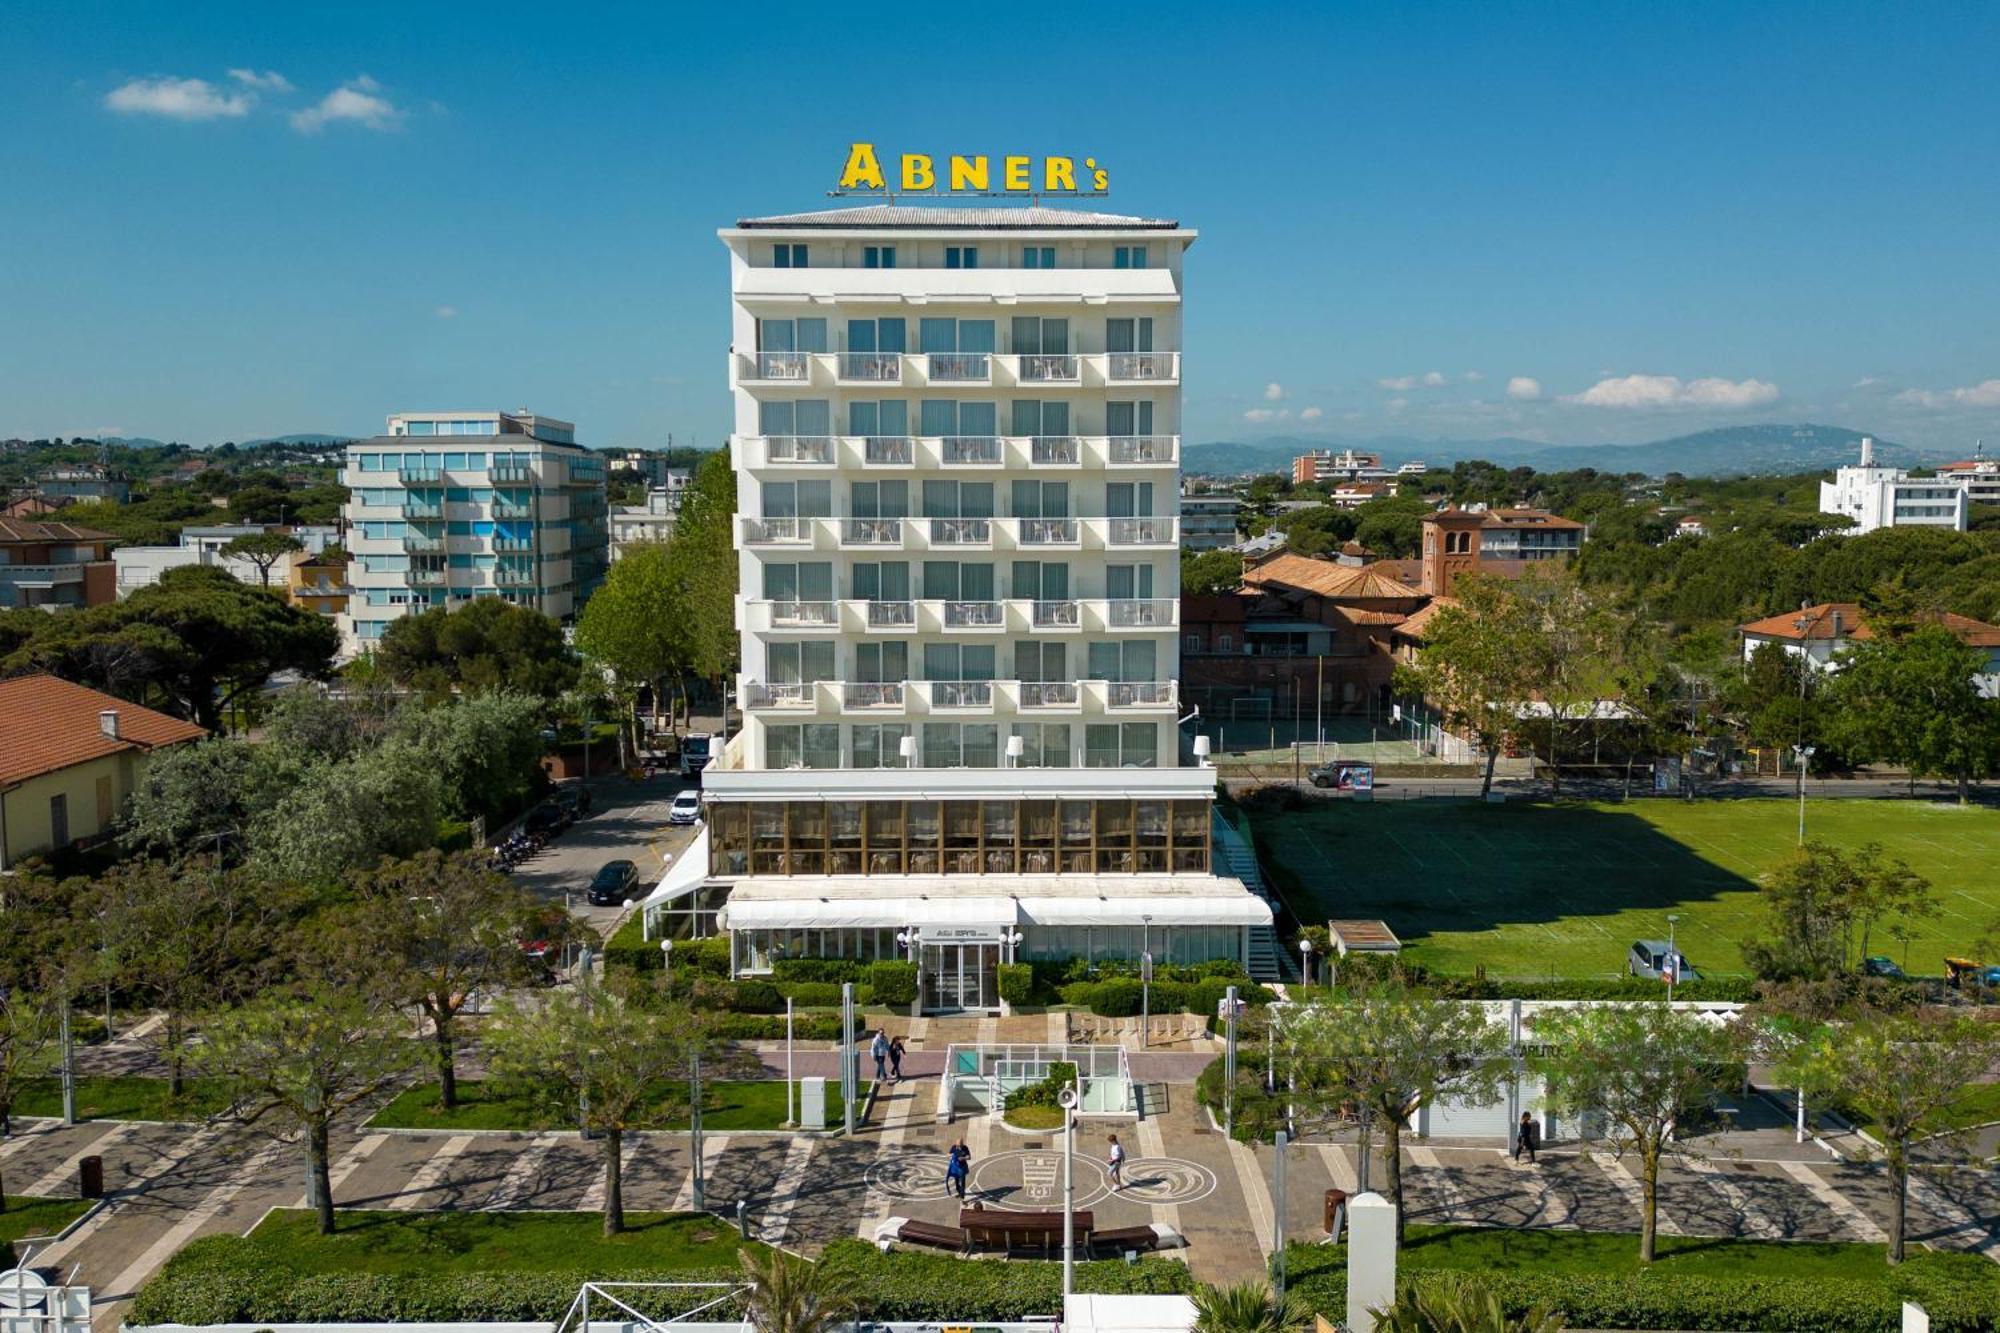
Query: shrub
[750, 996]
[820, 994]
[835, 970]
[1017, 983]
[1061, 1074]
[938, 1288]
[706, 957]
[893, 984]
[771, 1027]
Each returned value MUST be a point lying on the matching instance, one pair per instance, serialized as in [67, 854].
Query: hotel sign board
[961, 934]
[970, 174]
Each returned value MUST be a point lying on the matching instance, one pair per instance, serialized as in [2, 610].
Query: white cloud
[1264, 414]
[1526, 388]
[1866, 382]
[177, 99]
[358, 101]
[1405, 383]
[1397, 404]
[270, 80]
[1670, 391]
[1473, 377]
[446, 312]
[1433, 379]
[1986, 393]
[1311, 414]
[1273, 392]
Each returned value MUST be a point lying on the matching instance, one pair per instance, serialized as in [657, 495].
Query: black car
[614, 883]
[575, 800]
[548, 819]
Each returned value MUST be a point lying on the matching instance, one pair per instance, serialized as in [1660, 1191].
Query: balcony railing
[514, 576]
[973, 615]
[1056, 615]
[1141, 613]
[872, 367]
[1141, 449]
[960, 367]
[961, 693]
[871, 531]
[416, 543]
[1140, 531]
[43, 575]
[805, 615]
[420, 476]
[512, 509]
[778, 531]
[426, 578]
[1045, 368]
[502, 474]
[788, 366]
[1048, 532]
[961, 531]
[798, 448]
[892, 615]
[1120, 366]
[1054, 450]
[1048, 694]
[761, 694]
[872, 694]
[421, 509]
[513, 545]
[1139, 693]
[888, 450]
[970, 449]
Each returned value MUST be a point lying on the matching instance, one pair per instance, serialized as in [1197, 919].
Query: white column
[1371, 1259]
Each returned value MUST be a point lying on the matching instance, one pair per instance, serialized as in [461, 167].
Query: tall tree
[487, 644]
[1574, 641]
[1391, 1053]
[703, 562]
[295, 1064]
[338, 817]
[1471, 667]
[589, 1052]
[1822, 905]
[263, 549]
[33, 950]
[1916, 700]
[636, 624]
[1646, 1068]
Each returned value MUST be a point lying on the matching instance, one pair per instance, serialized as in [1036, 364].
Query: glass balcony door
[960, 976]
[1128, 335]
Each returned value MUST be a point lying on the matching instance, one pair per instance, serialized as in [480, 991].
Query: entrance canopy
[685, 875]
[815, 902]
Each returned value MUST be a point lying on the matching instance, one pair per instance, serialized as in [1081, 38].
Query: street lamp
[1804, 754]
[1305, 961]
[1673, 956]
[1067, 1098]
[667, 961]
[1145, 980]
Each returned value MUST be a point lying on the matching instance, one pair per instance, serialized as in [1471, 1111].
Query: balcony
[808, 450]
[959, 368]
[1139, 531]
[973, 615]
[421, 475]
[1141, 450]
[777, 367]
[793, 696]
[1139, 367]
[804, 615]
[43, 576]
[513, 508]
[1141, 613]
[871, 532]
[515, 576]
[513, 545]
[1055, 616]
[963, 450]
[961, 694]
[888, 450]
[1055, 451]
[427, 578]
[418, 544]
[422, 509]
[1050, 694]
[961, 531]
[870, 367]
[1047, 532]
[1045, 368]
[871, 694]
[510, 474]
[777, 531]
[1140, 694]
[891, 615]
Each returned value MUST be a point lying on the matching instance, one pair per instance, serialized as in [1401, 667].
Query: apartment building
[957, 446]
[1875, 496]
[448, 506]
[1208, 521]
[54, 565]
[1979, 474]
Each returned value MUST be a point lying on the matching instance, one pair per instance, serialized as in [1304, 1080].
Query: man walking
[880, 1050]
[1524, 1138]
[1115, 1166]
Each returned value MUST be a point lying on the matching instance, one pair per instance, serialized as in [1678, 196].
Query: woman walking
[1115, 1166]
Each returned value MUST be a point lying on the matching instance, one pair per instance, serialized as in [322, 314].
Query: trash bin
[90, 1178]
[1334, 1214]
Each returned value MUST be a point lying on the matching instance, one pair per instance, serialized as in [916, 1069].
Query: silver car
[1649, 958]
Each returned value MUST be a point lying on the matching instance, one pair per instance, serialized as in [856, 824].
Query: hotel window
[877, 335]
[788, 256]
[1128, 256]
[799, 663]
[1038, 256]
[1121, 745]
[1130, 418]
[880, 746]
[1225, 643]
[1043, 744]
[887, 418]
[961, 256]
[878, 256]
[1035, 336]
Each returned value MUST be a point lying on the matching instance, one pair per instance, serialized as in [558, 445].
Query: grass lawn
[1035, 1117]
[726, 1105]
[1595, 1252]
[1538, 890]
[29, 1216]
[123, 1098]
[470, 1242]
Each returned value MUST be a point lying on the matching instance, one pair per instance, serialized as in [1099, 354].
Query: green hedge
[771, 1027]
[707, 957]
[818, 969]
[1017, 983]
[1668, 1300]
[893, 984]
[820, 994]
[938, 1288]
[1119, 997]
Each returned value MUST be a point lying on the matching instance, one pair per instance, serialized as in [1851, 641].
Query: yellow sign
[918, 173]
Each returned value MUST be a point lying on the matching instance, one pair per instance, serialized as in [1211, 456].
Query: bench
[1144, 1239]
[1009, 1230]
[909, 1231]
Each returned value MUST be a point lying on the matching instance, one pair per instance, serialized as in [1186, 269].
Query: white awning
[835, 913]
[813, 902]
[685, 875]
[1244, 909]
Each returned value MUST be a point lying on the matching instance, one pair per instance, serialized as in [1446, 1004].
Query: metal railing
[892, 615]
[960, 367]
[872, 694]
[1141, 449]
[1048, 693]
[1047, 531]
[426, 578]
[889, 450]
[1049, 450]
[762, 694]
[514, 576]
[1045, 368]
[961, 693]
[777, 529]
[872, 367]
[418, 509]
[64, 571]
[791, 366]
[1056, 615]
[798, 448]
[872, 531]
[420, 476]
[1141, 365]
[501, 474]
[805, 615]
[514, 545]
[973, 615]
[1139, 693]
[513, 509]
[416, 543]
[970, 448]
[1140, 531]
[1141, 612]
[961, 531]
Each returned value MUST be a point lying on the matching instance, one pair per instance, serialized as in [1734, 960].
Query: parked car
[613, 884]
[686, 808]
[1881, 965]
[547, 819]
[575, 800]
[1343, 775]
[1650, 958]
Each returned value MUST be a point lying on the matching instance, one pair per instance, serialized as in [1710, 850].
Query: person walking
[879, 1048]
[1524, 1138]
[956, 1170]
[1115, 1166]
[896, 1060]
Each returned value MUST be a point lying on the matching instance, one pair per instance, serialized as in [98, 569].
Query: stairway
[1234, 856]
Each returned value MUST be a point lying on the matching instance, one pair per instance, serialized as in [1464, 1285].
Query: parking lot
[628, 819]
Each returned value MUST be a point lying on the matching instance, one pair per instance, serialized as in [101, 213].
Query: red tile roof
[23, 530]
[1324, 577]
[48, 724]
[1846, 620]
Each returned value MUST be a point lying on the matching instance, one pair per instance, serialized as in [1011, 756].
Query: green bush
[893, 984]
[1045, 1092]
[835, 970]
[1017, 983]
[819, 994]
[749, 996]
[771, 1027]
[1121, 996]
[707, 957]
[939, 1288]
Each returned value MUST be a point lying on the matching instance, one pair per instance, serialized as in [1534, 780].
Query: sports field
[1535, 890]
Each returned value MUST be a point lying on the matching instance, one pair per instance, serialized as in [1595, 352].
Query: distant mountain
[307, 439]
[1764, 449]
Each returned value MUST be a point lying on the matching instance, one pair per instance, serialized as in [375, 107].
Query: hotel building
[449, 506]
[1875, 496]
[957, 453]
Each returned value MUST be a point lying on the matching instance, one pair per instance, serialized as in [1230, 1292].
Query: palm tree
[1454, 1303]
[789, 1295]
[1249, 1307]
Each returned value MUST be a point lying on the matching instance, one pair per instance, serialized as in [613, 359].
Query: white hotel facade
[957, 454]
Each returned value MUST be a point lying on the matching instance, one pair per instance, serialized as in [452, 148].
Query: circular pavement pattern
[1030, 1180]
[1167, 1180]
[909, 1176]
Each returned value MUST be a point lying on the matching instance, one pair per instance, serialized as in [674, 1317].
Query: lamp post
[667, 962]
[1229, 1064]
[1068, 1098]
[908, 939]
[1145, 980]
[1673, 956]
[1804, 754]
[1305, 962]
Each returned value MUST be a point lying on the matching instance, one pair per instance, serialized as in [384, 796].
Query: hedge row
[771, 1027]
[1121, 997]
[706, 957]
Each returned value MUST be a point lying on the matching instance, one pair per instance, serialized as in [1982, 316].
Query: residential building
[1818, 634]
[449, 506]
[318, 583]
[1980, 475]
[1354, 494]
[1208, 522]
[1504, 542]
[956, 444]
[73, 483]
[54, 565]
[1876, 496]
[70, 758]
[1262, 544]
[141, 566]
[1347, 465]
[1690, 525]
[30, 506]
[652, 521]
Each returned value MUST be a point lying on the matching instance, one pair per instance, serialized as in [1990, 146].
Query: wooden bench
[910, 1231]
[1145, 1239]
[1009, 1231]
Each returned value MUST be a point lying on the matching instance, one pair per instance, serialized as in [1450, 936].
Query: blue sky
[1571, 223]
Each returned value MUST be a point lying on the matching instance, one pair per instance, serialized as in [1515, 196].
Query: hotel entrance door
[960, 976]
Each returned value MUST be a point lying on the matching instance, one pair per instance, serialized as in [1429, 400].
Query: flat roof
[905, 216]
